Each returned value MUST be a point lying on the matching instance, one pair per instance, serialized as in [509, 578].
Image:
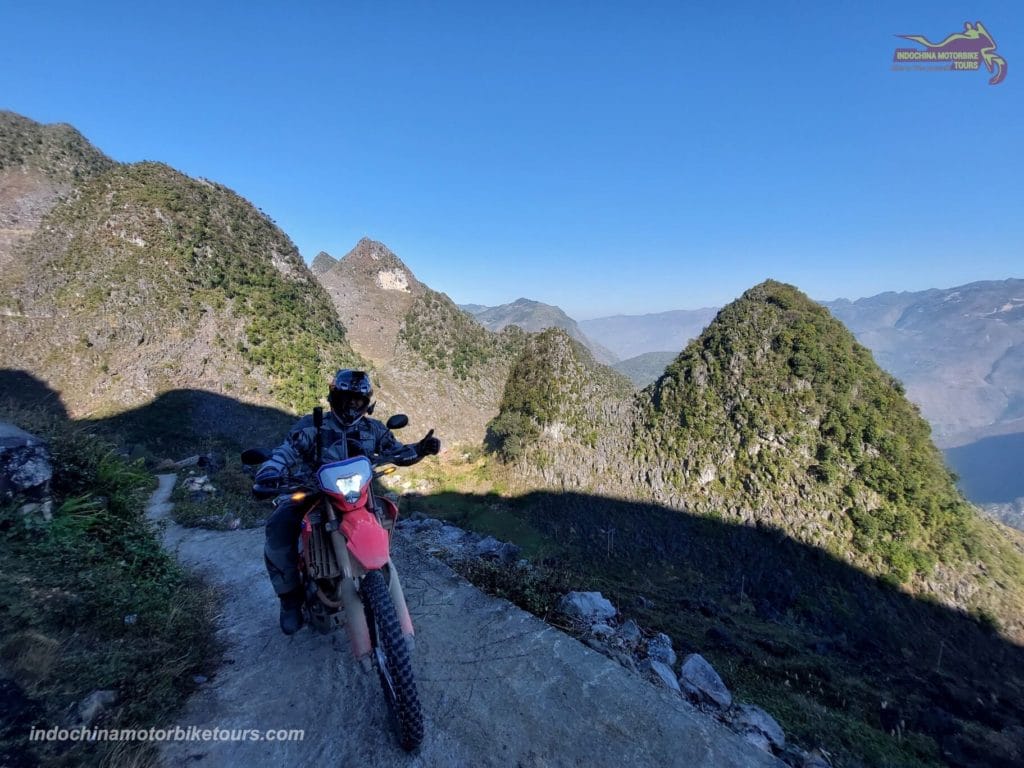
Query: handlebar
[288, 486]
[299, 488]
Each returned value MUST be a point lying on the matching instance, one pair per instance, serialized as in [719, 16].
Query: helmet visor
[348, 407]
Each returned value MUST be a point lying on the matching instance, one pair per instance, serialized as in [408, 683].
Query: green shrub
[95, 583]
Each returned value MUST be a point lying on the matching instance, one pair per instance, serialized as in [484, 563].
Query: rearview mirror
[398, 421]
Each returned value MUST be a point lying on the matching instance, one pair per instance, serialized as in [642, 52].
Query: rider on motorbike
[349, 398]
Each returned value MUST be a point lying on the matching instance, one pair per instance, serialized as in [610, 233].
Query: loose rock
[754, 722]
[25, 465]
[36, 511]
[629, 633]
[660, 674]
[701, 682]
[508, 553]
[450, 535]
[493, 549]
[587, 606]
[486, 546]
[659, 648]
[198, 484]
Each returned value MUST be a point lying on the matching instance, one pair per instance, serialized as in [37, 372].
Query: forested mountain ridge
[141, 280]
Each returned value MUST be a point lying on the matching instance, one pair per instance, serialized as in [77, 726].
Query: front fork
[352, 572]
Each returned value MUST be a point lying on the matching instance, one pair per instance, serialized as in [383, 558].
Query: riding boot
[291, 611]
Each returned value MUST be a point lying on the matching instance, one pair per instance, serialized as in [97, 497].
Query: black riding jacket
[297, 454]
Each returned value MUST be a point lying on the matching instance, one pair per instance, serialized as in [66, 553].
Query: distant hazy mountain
[646, 368]
[1010, 513]
[631, 335]
[536, 316]
[959, 352]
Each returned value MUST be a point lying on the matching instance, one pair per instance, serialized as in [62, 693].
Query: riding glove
[429, 445]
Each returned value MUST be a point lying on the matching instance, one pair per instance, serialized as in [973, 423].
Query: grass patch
[489, 515]
[467, 489]
[537, 590]
[230, 506]
[91, 601]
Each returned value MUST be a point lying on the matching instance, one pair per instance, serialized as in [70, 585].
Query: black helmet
[350, 396]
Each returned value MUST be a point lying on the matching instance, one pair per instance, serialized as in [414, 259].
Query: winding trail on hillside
[498, 686]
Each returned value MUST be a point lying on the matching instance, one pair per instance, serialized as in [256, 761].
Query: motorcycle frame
[353, 570]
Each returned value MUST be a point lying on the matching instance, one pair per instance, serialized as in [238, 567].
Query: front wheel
[391, 655]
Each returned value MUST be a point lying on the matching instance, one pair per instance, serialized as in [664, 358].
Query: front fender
[366, 539]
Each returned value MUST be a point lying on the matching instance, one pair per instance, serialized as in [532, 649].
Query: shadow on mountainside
[818, 643]
[180, 421]
[26, 391]
[183, 420]
[815, 641]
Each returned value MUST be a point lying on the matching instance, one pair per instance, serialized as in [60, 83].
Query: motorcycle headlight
[350, 486]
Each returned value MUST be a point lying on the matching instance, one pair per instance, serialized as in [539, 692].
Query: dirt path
[498, 686]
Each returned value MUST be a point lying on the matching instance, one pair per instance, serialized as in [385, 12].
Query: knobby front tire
[388, 637]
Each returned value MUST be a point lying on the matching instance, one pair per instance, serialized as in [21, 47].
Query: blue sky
[626, 157]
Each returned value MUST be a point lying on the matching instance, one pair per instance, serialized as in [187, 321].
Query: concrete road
[498, 686]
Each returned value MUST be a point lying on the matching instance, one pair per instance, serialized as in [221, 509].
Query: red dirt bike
[345, 565]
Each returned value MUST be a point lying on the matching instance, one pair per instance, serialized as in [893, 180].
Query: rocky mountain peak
[389, 273]
[322, 263]
[372, 290]
[776, 415]
[39, 166]
[429, 357]
[561, 412]
[59, 151]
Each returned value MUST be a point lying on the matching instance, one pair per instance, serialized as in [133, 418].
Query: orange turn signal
[299, 495]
